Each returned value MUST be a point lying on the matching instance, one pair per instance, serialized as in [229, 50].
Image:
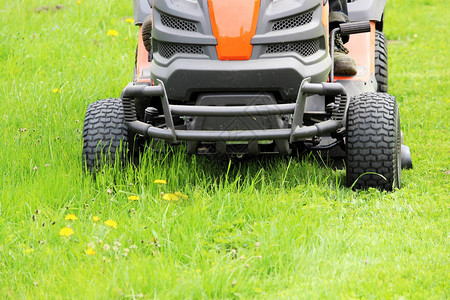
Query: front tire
[105, 135]
[373, 142]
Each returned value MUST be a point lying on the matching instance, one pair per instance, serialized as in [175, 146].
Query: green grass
[277, 228]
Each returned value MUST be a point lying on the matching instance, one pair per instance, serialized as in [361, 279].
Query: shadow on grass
[288, 171]
[209, 172]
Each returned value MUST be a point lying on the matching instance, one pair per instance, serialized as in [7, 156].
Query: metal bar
[159, 133]
[232, 111]
[323, 89]
[319, 129]
[136, 91]
[245, 135]
[333, 36]
[299, 109]
[167, 112]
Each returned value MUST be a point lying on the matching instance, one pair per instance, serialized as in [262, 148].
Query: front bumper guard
[297, 132]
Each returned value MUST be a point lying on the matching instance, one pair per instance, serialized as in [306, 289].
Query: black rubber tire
[406, 158]
[381, 62]
[105, 135]
[373, 142]
[147, 33]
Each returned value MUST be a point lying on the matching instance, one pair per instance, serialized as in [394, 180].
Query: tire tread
[381, 62]
[372, 141]
[105, 135]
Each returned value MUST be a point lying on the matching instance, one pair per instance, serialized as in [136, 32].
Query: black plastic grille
[178, 23]
[304, 48]
[293, 22]
[167, 50]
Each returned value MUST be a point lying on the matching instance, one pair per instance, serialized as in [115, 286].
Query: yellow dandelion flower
[95, 219]
[112, 32]
[133, 198]
[71, 217]
[170, 197]
[160, 181]
[90, 251]
[79, 2]
[129, 20]
[66, 231]
[29, 250]
[111, 223]
[56, 91]
[181, 195]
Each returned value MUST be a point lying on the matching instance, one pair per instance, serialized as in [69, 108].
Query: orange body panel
[325, 17]
[234, 25]
[362, 50]
[141, 59]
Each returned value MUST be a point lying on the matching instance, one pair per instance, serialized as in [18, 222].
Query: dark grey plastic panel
[289, 46]
[141, 8]
[253, 122]
[183, 29]
[272, 13]
[366, 10]
[290, 27]
[281, 75]
[315, 104]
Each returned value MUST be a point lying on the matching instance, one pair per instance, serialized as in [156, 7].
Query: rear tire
[381, 62]
[373, 142]
[147, 27]
[105, 135]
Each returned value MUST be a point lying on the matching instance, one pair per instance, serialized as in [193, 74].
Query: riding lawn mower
[242, 78]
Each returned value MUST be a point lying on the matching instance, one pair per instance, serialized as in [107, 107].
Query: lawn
[272, 228]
